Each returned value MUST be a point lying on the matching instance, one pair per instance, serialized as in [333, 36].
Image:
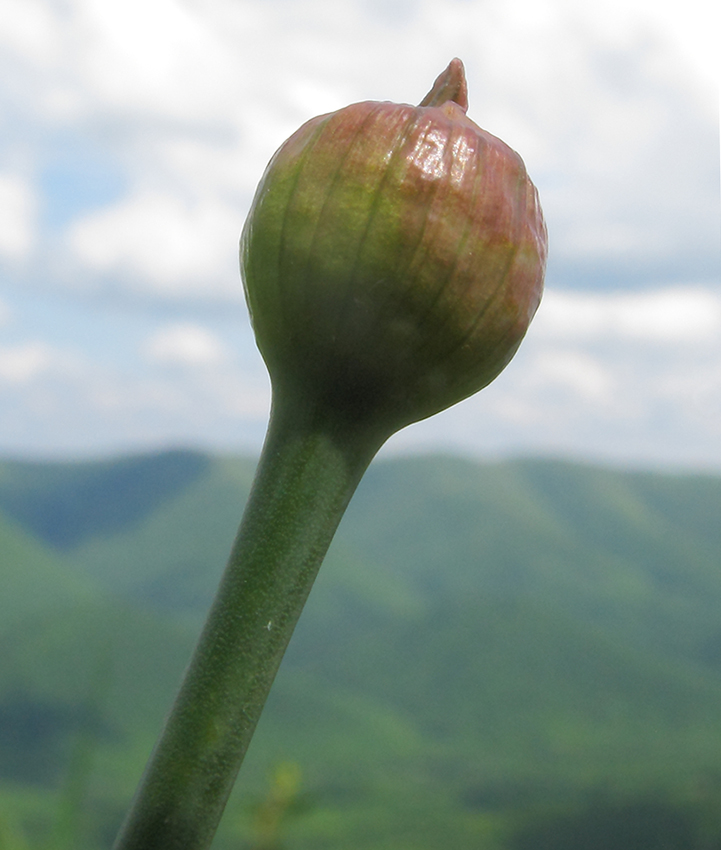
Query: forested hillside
[494, 655]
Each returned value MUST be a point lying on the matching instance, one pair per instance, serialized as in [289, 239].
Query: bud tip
[450, 85]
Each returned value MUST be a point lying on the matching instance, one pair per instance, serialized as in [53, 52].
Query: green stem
[305, 479]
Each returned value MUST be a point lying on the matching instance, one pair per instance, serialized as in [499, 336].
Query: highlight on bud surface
[393, 257]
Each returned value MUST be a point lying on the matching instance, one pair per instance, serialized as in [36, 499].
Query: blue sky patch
[77, 180]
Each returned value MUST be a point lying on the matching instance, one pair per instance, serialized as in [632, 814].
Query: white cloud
[22, 364]
[689, 315]
[29, 28]
[568, 369]
[172, 245]
[185, 344]
[53, 403]
[207, 167]
[154, 55]
[17, 217]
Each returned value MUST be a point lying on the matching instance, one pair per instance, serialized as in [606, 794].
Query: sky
[134, 133]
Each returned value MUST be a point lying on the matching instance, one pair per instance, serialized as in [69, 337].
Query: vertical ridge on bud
[372, 228]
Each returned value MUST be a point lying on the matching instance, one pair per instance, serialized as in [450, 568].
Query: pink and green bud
[393, 257]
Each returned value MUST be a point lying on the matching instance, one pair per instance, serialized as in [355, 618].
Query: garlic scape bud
[393, 258]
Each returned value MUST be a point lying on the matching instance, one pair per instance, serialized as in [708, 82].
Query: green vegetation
[495, 656]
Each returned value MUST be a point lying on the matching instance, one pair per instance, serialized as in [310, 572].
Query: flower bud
[393, 258]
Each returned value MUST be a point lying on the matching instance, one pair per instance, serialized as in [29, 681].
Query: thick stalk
[305, 479]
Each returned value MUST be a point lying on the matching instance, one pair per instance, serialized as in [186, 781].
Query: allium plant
[393, 258]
